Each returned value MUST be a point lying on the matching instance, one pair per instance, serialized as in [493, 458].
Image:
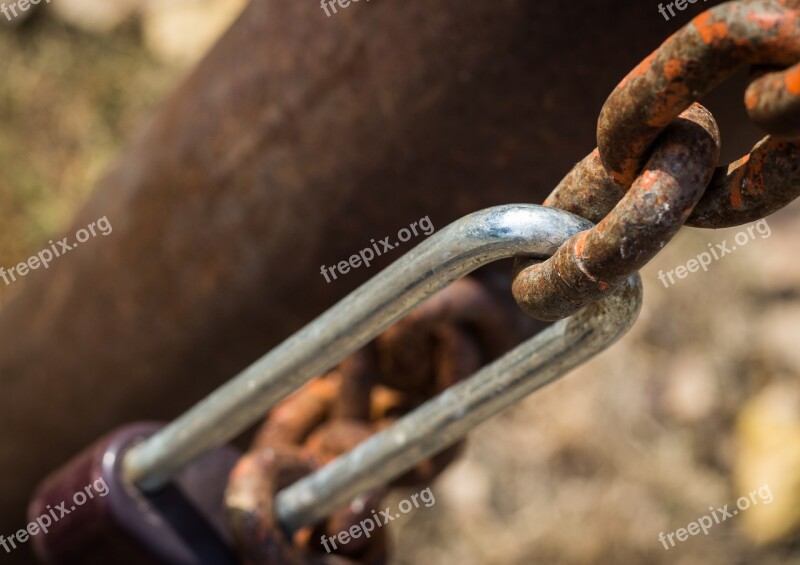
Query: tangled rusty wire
[655, 169]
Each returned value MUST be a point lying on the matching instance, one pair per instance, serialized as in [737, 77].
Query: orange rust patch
[670, 102]
[580, 244]
[673, 69]
[792, 80]
[627, 173]
[710, 31]
[755, 168]
[736, 194]
[673, 98]
[777, 47]
[751, 98]
[647, 180]
[736, 173]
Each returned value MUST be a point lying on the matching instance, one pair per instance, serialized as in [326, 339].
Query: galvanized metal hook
[467, 244]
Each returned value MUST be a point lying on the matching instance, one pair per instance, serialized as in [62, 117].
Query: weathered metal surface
[773, 102]
[690, 64]
[591, 264]
[250, 500]
[755, 186]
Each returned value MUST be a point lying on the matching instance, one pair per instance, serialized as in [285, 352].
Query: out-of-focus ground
[697, 406]
[78, 78]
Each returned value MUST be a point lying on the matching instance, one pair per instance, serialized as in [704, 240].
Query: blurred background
[697, 406]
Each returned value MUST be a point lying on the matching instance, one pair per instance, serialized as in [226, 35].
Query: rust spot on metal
[753, 187]
[648, 179]
[672, 95]
[710, 30]
[580, 245]
[736, 190]
[751, 98]
[765, 21]
[792, 80]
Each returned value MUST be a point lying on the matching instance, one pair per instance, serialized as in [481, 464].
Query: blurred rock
[99, 16]
[774, 264]
[691, 389]
[777, 333]
[181, 31]
[768, 433]
[176, 31]
[466, 488]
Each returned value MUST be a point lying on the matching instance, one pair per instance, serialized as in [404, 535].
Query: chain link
[636, 183]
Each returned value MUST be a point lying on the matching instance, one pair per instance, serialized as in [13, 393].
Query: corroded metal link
[587, 190]
[694, 61]
[260, 539]
[456, 331]
[302, 434]
[753, 187]
[410, 352]
[590, 264]
[773, 102]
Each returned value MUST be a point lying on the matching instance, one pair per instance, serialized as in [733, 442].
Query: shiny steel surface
[455, 251]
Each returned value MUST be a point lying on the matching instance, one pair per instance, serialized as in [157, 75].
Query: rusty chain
[655, 169]
[635, 203]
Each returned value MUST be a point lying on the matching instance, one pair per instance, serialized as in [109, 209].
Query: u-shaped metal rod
[448, 417]
[460, 248]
